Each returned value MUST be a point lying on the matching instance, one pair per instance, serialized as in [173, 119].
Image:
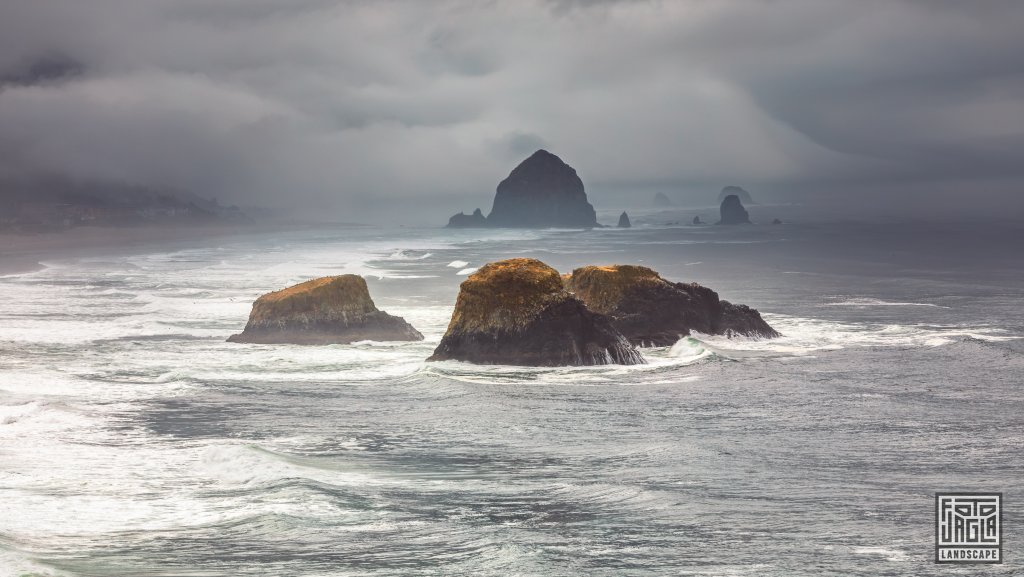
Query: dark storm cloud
[355, 106]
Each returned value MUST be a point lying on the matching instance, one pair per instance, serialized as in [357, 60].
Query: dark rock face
[733, 212]
[624, 220]
[542, 192]
[661, 201]
[776, 221]
[463, 220]
[738, 191]
[651, 311]
[517, 312]
[324, 311]
[696, 220]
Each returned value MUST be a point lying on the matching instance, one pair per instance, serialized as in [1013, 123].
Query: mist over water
[135, 441]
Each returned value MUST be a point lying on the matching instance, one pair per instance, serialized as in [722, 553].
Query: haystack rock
[324, 311]
[517, 312]
[651, 311]
[542, 192]
[624, 220]
[662, 201]
[696, 220]
[738, 191]
[463, 220]
[732, 211]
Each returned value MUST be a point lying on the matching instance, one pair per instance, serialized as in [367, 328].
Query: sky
[413, 109]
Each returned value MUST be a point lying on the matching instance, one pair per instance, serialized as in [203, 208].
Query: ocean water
[135, 441]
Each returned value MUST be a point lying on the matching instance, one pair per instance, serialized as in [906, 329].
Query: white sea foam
[458, 264]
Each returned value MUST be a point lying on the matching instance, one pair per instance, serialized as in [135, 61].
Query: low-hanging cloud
[348, 108]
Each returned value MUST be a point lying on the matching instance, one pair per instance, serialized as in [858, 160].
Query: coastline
[24, 253]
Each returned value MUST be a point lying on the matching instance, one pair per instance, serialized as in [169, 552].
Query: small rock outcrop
[776, 221]
[517, 312]
[463, 220]
[696, 220]
[624, 220]
[738, 191]
[542, 192]
[651, 311]
[323, 311]
[732, 211]
[662, 201]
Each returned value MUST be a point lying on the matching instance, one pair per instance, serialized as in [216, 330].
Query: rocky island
[323, 311]
[463, 220]
[661, 200]
[517, 312]
[542, 192]
[738, 191]
[651, 311]
[732, 211]
[624, 220]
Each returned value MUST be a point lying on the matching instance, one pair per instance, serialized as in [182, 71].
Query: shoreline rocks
[624, 220]
[517, 312]
[323, 311]
[651, 311]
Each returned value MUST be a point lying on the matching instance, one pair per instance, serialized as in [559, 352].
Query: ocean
[135, 441]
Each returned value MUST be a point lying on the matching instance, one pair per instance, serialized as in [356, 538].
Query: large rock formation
[542, 192]
[662, 201]
[517, 312]
[738, 191]
[624, 220]
[732, 211]
[324, 311]
[463, 220]
[651, 311]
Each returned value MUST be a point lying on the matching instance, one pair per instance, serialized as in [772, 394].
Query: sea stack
[738, 191]
[624, 220]
[542, 192]
[732, 211]
[696, 220]
[517, 312]
[651, 311]
[323, 311]
[463, 220]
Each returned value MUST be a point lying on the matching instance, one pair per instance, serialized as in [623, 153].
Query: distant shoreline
[22, 253]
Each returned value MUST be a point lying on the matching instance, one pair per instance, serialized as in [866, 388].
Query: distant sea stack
[662, 201]
[517, 312]
[745, 197]
[463, 220]
[324, 311]
[624, 220]
[732, 211]
[651, 311]
[696, 220]
[542, 192]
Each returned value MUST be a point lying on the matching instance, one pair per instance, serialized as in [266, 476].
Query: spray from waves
[803, 336]
[873, 302]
